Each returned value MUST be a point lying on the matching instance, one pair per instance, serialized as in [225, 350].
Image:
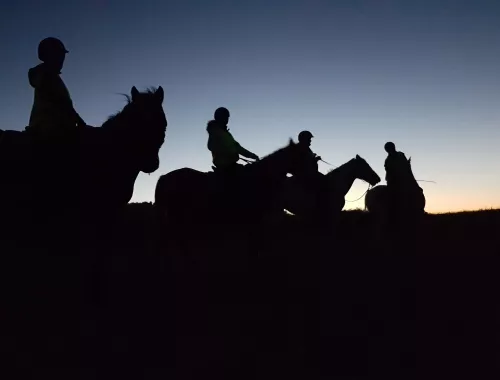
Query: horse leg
[382, 224]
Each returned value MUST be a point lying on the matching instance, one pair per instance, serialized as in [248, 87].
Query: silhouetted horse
[301, 202]
[186, 196]
[90, 171]
[58, 201]
[411, 200]
[406, 199]
[126, 144]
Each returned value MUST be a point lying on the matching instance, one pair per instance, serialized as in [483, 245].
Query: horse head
[142, 125]
[365, 172]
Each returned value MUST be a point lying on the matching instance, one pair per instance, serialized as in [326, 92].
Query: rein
[367, 190]
[328, 163]
[246, 160]
[370, 186]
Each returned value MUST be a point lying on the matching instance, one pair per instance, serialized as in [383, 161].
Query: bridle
[328, 163]
[247, 161]
[362, 195]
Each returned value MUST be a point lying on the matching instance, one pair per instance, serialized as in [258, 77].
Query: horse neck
[412, 176]
[272, 167]
[343, 177]
[115, 133]
[409, 180]
[108, 160]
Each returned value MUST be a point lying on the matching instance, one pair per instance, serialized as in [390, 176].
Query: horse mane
[331, 170]
[341, 166]
[278, 151]
[270, 159]
[150, 91]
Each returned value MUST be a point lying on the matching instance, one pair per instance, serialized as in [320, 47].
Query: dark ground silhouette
[284, 302]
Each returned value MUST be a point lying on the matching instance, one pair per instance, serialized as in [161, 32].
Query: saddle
[225, 183]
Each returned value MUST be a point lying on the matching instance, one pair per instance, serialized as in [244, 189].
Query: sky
[423, 74]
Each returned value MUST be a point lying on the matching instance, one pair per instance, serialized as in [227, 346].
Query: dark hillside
[283, 301]
[293, 301]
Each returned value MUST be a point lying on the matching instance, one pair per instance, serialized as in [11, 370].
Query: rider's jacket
[52, 106]
[225, 149]
[397, 169]
[310, 164]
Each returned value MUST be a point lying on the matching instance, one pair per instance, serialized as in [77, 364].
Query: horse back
[180, 181]
[15, 142]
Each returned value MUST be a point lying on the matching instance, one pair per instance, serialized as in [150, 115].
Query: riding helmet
[49, 47]
[221, 113]
[305, 135]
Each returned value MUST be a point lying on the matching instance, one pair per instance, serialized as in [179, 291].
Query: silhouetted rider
[52, 112]
[225, 149]
[310, 164]
[397, 167]
[308, 173]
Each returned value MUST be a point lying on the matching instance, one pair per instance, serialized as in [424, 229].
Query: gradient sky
[423, 74]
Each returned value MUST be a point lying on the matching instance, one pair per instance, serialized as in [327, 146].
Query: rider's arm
[229, 139]
[387, 168]
[246, 153]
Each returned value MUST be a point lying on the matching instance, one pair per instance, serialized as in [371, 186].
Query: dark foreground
[278, 303]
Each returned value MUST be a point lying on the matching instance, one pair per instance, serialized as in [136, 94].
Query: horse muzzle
[376, 181]
[151, 166]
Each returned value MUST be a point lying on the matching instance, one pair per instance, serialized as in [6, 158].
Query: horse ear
[290, 142]
[160, 94]
[357, 157]
[135, 93]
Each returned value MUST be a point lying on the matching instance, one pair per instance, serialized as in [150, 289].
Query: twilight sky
[357, 73]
